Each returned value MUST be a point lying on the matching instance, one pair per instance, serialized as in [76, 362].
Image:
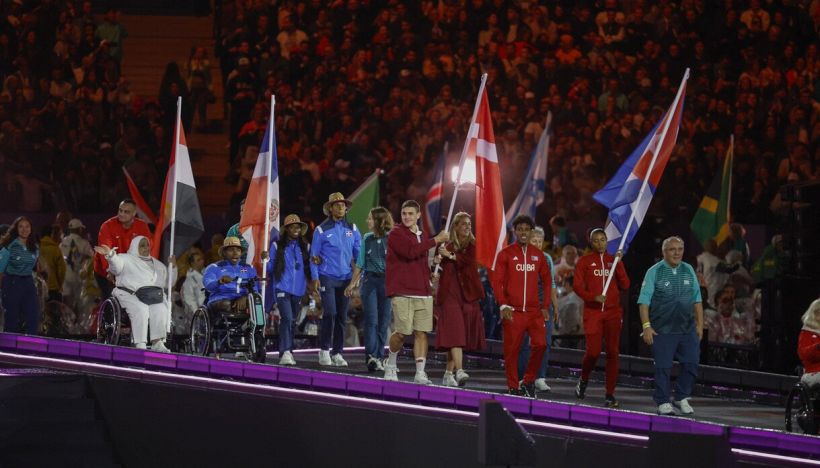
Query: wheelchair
[803, 409]
[220, 332]
[113, 323]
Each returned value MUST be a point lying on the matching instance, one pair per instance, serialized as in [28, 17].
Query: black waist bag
[148, 295]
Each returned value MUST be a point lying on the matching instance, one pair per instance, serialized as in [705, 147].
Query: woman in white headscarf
[141, 281]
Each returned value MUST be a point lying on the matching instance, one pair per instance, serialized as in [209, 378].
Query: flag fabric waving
[364, 199]
[711, 221]
[535, 180]
[144, 212]
[490, 226]
[255, 225]
[180, 221]
[630, 192]
[432, 203]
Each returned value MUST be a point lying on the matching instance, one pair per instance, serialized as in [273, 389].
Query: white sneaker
[449, 380]
[541, 385]
[684, 406]
[379, 365]
[324, 358]
[390, 373]
[421, 378]
[666, 409]
[287, 359]
[159, 347]
[338, 361]
[461, 377]
[139, 345]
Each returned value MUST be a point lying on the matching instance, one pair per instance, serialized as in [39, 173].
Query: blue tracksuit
[290, 288]
[229, 291]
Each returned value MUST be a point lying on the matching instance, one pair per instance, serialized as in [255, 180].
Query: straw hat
[333, 198]
[294, 219]
[230, 242]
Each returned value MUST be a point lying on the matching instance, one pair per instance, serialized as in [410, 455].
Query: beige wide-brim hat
[230, 242]
[294, 219]
[334, 198]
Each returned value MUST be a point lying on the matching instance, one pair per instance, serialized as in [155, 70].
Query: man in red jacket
[407, 284]
[118, 231]
[515, 282]
[603, 315]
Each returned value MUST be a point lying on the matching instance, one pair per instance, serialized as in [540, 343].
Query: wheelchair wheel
[200, 332]
[109, 322]
[800, 411]
[261, 352]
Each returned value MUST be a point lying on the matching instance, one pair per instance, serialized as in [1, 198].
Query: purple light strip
[774, 457]
[195, 381]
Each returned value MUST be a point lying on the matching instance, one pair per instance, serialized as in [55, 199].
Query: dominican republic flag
[144, 212]
[630, 192]
[432, 203]
[180, 221]
[490, 225]
[255, 225]
[535, 181]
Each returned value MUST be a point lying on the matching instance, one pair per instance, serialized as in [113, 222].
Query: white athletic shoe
[541, 385]
[684, 406]
[287, 359]
[461, 377]
[338, 361]
[159, 347]
[448, 380]
[666, 409]
[324, 358]
[421, 378]
[379, 365]
[390, 373]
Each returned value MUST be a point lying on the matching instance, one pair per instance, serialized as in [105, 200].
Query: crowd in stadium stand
[362, 84]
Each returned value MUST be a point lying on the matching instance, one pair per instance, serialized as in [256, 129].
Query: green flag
[711, 221]
[364, 198]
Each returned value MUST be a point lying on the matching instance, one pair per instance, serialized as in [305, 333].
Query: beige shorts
[412, 314]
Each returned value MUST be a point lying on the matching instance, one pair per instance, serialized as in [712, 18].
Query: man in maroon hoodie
[603, 315]
[515, 283]
[407, 284]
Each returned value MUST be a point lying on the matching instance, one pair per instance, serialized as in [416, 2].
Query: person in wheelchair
[808, 345]
[226, 281]
[140, 283]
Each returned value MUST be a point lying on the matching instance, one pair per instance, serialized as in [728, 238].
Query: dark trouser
[602, 326]
[524, 355]
[21, 304]
[378, 312]
[334, 314]
[684, 347]
[288, 305]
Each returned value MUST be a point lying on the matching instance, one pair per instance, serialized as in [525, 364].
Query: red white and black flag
[180, 220]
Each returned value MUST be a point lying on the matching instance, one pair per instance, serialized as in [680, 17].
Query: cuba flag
[535, 181]
[629, 193]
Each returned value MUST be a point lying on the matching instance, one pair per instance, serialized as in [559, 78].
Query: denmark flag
[490, 228]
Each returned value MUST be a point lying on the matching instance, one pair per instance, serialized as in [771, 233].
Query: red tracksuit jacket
[515, 279]
[591, 272]
[808, 350]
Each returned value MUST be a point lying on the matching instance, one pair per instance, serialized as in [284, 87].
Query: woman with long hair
[460, 324]
[18, 258]
[378, 311]
[291, 275]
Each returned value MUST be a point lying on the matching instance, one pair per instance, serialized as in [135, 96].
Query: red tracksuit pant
[602, 326]
[533, 324]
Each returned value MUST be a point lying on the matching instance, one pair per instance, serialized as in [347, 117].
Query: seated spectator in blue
[290, 271]
[226, 280]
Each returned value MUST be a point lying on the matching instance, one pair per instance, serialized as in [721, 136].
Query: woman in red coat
[808, 345]
[460, 324]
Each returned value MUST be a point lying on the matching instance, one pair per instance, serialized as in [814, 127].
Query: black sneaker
[611, 402]
[529, 390]
[516, 392]
[581, 389]
[372, 364]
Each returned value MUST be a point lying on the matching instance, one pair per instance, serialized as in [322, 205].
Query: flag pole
[464, 152]
[645, 182]
[266, 234]
[729, 197]
[177, 131]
